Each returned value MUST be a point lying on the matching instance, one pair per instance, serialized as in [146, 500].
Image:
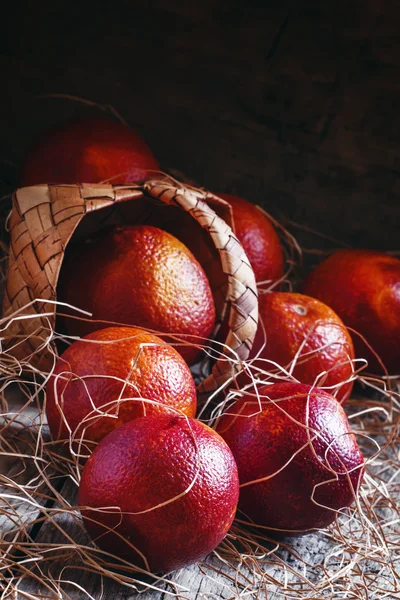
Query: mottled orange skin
[90, 376]
[273, 438]
[150, 461]
[363, 287]
[290, 321]
[89, 149]
[140, 275]
[258, 237]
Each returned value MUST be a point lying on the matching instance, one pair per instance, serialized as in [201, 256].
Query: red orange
[254, 230]
[307, 338]
[113, 376]
[258, 237]
[89, 149]
[140, 275]
[173, 484]
[299, 464]
[363, 288]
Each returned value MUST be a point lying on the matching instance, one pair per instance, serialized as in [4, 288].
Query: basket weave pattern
[43, 220]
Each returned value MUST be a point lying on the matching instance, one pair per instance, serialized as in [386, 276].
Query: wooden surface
[294, 105]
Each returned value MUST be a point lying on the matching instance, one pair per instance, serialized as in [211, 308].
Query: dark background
[294, 105]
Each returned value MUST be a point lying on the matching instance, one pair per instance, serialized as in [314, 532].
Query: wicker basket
[45, 217]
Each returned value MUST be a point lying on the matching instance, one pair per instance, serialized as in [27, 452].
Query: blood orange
[307, 338]
[258, 238]
[173, 484]
[89, 150]
[112, 376]
[299, 464]
[140, 275]
[363, 287]
[254, 230]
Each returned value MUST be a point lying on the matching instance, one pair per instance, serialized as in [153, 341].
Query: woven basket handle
[242, 289]
[43, 220]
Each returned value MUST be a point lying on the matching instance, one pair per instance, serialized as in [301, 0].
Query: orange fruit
[174, 485]
[99, 381]
[363, 287]
[140, 275]
[298, 462]
[295, 327]
[89, 149]
[258, 237]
